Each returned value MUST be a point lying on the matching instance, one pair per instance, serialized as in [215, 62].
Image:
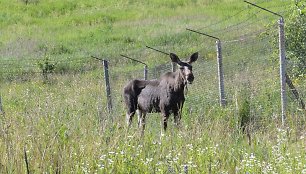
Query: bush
[295, 40]
[46, 67]
[295, 31]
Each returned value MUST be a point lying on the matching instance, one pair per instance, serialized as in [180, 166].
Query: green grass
[63, 123]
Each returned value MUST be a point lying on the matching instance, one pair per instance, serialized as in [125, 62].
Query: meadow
[60, 124]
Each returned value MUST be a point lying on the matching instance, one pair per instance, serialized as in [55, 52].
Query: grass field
[62, 124]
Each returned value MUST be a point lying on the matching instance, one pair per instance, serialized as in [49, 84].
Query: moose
[165, 95]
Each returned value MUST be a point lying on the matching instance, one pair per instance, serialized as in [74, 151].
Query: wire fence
[248, 62]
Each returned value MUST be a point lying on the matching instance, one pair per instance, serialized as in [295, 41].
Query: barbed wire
[221, 21]
[29, 71]
[242, 24]
[236, 66]
[228, 28]
[20, 72]
[236, 14]
[36, 63]
[277, 6]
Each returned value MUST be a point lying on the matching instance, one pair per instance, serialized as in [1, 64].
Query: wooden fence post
[1, 108]
[26, 160]
[107, 86]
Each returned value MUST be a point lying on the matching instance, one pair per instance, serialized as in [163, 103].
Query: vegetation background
[54, 117]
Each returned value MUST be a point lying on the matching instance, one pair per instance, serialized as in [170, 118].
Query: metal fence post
[173, 66]
[282, 60]
[145, 72]
[220, 66]
[282, 68]
[220, 74]
[107, 86]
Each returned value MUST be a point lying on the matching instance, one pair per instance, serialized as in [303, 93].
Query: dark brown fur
[165, 95]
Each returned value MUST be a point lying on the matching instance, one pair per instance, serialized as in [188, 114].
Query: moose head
[185, 67]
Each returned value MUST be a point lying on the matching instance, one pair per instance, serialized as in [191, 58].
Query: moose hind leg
[139, 114]
[129, 118]
[131, 107]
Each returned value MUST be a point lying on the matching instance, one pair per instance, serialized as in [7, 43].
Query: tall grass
[64, 128]
[64, 125]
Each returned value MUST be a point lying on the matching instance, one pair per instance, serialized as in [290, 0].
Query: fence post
[220, 66]
[1, 108]
[282, 67]
[282, 60]
[145, 72]
[220, 74]
[173, 66]
[26, 160]
[107, 86]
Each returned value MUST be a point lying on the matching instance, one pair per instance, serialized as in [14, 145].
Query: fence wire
[250, 69]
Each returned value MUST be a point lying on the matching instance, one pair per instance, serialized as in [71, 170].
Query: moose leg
[164, 120]
[177, 118]
[178, 114]
[131, 104]
[142, 121]
[139, 114]
[129, 117]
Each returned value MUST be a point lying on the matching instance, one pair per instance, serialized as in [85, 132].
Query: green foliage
[244, 111]
[295, 30]
[47, 67]
[295, 39]
[61, 49]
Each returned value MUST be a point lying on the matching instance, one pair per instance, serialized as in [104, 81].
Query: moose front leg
[177, 112]
[164, 121]
[177, 118]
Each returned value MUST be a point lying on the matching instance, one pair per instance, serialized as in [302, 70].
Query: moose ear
[174, 58]
[193, 57]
